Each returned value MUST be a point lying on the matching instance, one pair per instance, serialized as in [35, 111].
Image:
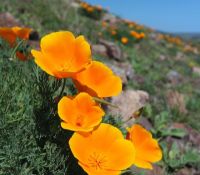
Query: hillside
[160, 74]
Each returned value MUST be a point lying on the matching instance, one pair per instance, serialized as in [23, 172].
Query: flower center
[79, 120]
[97, 161]
[65, 66]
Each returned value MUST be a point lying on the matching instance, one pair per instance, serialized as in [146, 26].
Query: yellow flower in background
[98, 80]
[104, 151]
[99, 34]
[131, 25]
[80, 113]
[62, 55]
[84, 5]
[104, 24]
[142, 35]
[147, 148]
[90, 9]
[135, 34]
[124, 40]
[10, 34]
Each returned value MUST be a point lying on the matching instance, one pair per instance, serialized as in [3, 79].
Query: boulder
[8, 20]
[128, 102]
[99, 49]
[124, 70]
[176, 100]
[174, 77]
[113, 50]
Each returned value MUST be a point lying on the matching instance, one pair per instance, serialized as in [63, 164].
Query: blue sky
[164, 15]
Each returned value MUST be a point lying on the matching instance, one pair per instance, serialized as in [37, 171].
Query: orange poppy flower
[21, 56]
[11, 34]
[80, 113]
[62, 55]
[104, 24]
[142, 35]
[98, 80]
[83, 4]
[103, 151]
[147, 148]
[135, 34]
[113, 32]
[90, 9]
[124, 40]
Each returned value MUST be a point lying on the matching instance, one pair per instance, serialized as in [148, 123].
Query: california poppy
[11, 34]
[147, 148]
[103, 151]
[80, 113]
[62, 55]
[124, 40]
[98, 80]
[21, 56]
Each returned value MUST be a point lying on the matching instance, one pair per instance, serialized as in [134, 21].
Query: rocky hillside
[160, 74]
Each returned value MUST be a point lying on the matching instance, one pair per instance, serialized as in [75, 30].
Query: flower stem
[63, 87]
[16, 47]
[104, 102]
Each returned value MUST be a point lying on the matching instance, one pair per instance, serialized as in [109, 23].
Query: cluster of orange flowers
[171, 39]
[99, 147]
[190, 49]
[89, 8]
[12, 34]
[137, 35]
[122, 34]
[132, 24]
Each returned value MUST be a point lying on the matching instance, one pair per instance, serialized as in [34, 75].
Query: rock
[180, 56]
[123, 70]
[196, 70]
[100, 50]
[129, 71]
[156, 170]
[112, 19]
[118, 71]
[8, 20]
[187, 171]
[162, 57]
[192, 136]
[174, 77]
[74, 5]
[139, 79]
[189, 48]
[113, 50]
[145, 122]
[179, 142]
[153, 36]
[176, 100]
[128, 102]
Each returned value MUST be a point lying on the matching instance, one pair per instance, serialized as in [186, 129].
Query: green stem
[130, 118]
[15, 49]
[104, 102]
[63, 87]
